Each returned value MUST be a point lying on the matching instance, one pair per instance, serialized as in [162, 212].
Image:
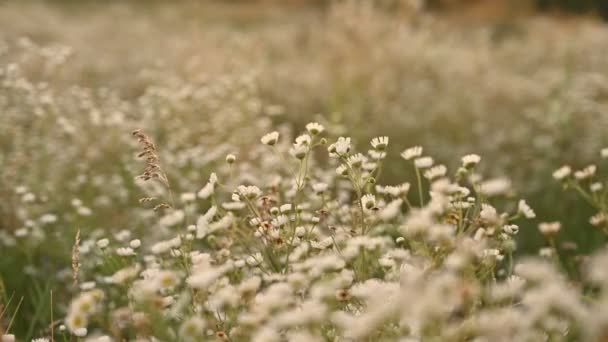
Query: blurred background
[523, 83]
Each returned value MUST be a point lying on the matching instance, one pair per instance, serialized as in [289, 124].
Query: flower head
[470, 160]
[412, 152]
[524, 209]
[423, 162]
[368, 201]
[380, 143]
[549, 228]
[315, 128]
[270, 139]
[339, 148]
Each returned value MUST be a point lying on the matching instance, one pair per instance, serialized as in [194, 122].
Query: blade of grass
[8, 329]
[39, 309]
[8, 303]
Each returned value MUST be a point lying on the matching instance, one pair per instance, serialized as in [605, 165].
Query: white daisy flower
[470, 160]
[270, 139]
[524, 209]
[380, 143]
[412, 152]
[423, 162]
[562, 173]
[368, 201]
[315, 128]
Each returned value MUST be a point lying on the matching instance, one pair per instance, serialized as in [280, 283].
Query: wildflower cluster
[215, 220]
[587, 183]
[314, 254]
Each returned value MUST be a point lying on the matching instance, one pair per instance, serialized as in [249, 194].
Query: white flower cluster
[287, 241]
[338, 256]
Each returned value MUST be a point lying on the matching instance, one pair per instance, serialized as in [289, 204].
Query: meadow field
[287, 171]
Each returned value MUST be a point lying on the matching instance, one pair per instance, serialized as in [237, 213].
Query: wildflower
[280, 221]
[435, 172]
[300, 231]
[395, 190]
[162, 247]
[135, 243]
[494, 187]
[604, 152]
[377, 155]
[356, 160]
[125, 251]
[233, 206]
[251, 192]
[21, 232]
[104, 338]
[8, 338]
[315, 128]
[339, 148]
[192, 329]
[369, 166]
[76, 321]
[423, 162]
[270, 139]
[368, 201]
[299, 151]
[303, 139]
[230, 158]
[470, 160]
[209, 188]
[48, 218]
[511, 229]
[585, 173]
[524, 209]
[342, 170]
[28, 197]
[562, 173]
[167, 279]
[488, 213]
[204, 278]
[493, 253]
[379, 143]
[123, 275]
[391, 210]
[89, 285]
[546, 252]
[81, 332]
[412, 152]
[266, 334]
[595, 187]
[84, 211]
[598, 219]
[172, 218]
[187, 197]
[319, 188]
[549, 228]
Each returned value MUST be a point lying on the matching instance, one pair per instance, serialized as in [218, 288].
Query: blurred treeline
[599, 7]
[530, 6]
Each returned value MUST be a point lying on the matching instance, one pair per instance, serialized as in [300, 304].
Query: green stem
[419, 181]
